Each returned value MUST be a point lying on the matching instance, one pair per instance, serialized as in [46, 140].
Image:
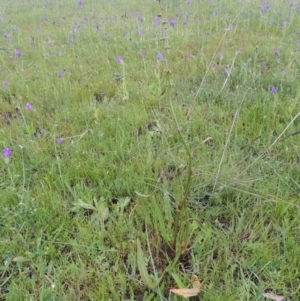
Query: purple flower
[231, 27]
[221, 55]
[265, 8]
[273, 90]
[59, 140]
[190, 56]
[159, 57]
[7, 153]
[60, 53]
[80, 4]
[71, 38]
[299, 42]
[119, 60]
[282, 25]
[60, 74]
[156, 22]
[29, 107]
[226, 72]
[276, 52]
[173, 22]
[18, 53]
[5, 84]
[213, 65]
[7, 36]
[96, 25]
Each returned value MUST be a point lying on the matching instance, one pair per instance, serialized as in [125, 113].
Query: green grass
[73, 214]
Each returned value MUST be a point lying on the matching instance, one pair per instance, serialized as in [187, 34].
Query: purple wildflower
[265, 8]
[7, 153]
[221, 55]
[95, 25]
[273, 90]
[80, 4]
[226, 72]
[157, 21]
[5, 84]
[231, 27]
[18, 53]
[29, 107]
[213, 65]
[282, 25]
[276, 52]
[60, 74]
[59, 140]
[159, 57]
[299, 42]
[190, 56]
[60, 53]
[7, 36]
[119, 60]
[71, 38]
[173, 22]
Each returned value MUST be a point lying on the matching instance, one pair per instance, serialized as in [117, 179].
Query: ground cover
[146, 145]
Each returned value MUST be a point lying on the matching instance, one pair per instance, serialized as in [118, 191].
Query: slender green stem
[182, 204]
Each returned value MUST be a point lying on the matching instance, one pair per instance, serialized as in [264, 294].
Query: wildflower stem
[182, 204]
[125, 92]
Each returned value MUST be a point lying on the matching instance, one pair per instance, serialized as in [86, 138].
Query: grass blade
[142, 267]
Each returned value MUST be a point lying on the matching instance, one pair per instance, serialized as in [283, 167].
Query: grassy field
[144, 142]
